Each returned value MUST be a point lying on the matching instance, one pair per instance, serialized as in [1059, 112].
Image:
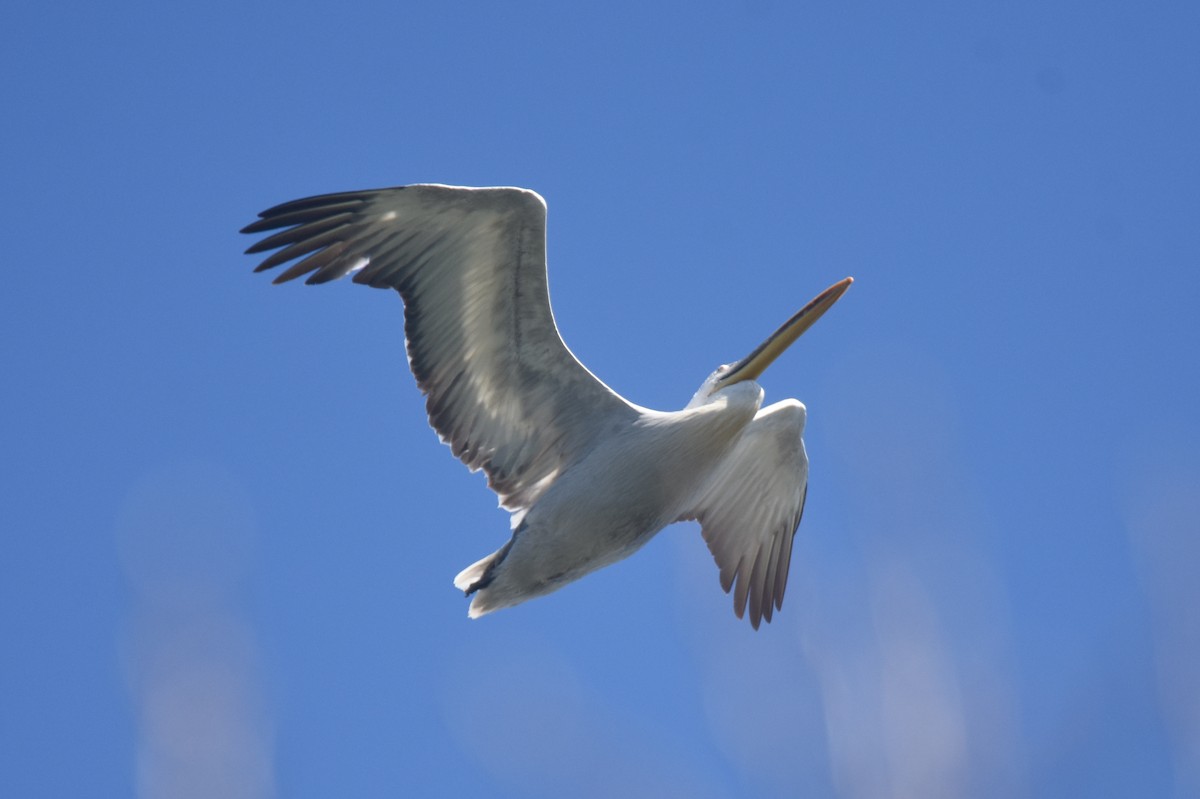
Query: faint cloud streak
[184, 535]
[1163, 517]
[918, 679]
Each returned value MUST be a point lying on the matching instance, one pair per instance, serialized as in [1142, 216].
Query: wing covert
[501, 387]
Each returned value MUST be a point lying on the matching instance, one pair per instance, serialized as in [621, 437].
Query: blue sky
[229, 535]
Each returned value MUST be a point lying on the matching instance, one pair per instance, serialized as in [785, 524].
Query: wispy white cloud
[1162, 511]
[185, 533]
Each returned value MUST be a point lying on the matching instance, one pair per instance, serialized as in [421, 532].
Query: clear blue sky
[228, 535]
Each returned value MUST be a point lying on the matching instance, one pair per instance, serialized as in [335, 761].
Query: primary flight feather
[588, 475]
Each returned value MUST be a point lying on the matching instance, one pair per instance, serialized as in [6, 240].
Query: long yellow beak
[754, 364]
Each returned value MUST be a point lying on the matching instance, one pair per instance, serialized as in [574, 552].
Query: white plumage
[589, 476]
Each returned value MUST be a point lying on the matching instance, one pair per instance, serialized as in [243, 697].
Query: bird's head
[754, 364]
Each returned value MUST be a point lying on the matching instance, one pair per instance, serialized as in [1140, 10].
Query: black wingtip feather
[304, 216]
[322, 201]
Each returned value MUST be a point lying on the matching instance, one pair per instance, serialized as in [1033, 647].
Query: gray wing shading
[751, 508]
[501, 387]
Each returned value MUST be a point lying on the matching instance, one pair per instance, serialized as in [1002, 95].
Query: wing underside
[501, 387]
[751, 508]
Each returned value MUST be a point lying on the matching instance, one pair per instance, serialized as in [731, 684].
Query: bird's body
[589, 476]
[635, 482]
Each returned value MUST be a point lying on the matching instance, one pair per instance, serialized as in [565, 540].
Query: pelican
[588, 476]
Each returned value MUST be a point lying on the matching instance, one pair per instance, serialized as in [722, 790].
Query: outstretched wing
[501, 387]
[751, 507]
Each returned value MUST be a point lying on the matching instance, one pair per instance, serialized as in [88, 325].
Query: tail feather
[469, 579]
[479, 606]
[477, 579]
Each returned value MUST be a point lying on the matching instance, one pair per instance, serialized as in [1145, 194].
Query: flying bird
[588, 476]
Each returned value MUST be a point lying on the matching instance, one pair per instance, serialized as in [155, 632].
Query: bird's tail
[477, 579]
[469, 579]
